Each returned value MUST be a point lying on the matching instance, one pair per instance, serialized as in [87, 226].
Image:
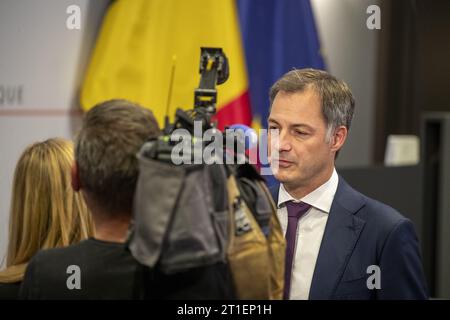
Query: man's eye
[302, 133]
[272, 128]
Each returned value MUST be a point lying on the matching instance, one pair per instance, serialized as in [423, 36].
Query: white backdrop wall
[41, 68]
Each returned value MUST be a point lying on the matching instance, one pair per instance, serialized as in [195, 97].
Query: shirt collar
[321, 198]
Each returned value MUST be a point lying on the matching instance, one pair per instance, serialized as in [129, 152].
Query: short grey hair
[105, 151]
[337, 101]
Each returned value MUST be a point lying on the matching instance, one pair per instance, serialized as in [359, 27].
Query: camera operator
[105, 172]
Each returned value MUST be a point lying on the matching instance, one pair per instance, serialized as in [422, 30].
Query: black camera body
[214, 70]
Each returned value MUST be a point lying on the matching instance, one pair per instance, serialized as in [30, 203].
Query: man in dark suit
[340, 243]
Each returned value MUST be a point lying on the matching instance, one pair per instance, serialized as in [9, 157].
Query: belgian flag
[133, 56]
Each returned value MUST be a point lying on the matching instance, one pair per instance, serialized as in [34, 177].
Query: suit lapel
[274, 190]
[340, 236]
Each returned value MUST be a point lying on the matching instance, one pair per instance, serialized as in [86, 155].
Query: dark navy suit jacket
[361, 232]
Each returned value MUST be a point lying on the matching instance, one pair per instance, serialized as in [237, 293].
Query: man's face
[304, 155]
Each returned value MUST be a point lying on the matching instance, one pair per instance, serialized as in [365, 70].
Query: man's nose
[284, 141]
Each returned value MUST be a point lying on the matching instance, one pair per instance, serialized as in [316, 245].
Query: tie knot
[296, 210]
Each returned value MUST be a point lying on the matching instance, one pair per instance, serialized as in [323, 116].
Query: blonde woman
[45, 211]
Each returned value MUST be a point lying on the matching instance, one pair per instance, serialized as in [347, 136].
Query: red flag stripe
[237, 111]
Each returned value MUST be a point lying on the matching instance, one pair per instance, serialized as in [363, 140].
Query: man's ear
[338, 138]
[76, 184]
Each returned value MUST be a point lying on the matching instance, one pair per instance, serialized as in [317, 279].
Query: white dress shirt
[310, 229]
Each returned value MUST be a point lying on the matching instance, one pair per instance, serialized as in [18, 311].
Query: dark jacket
[362, 232]
[107, 270]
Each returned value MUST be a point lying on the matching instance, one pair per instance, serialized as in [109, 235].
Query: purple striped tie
[295, 211]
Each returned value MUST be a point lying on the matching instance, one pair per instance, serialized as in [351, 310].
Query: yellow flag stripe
[133, 54]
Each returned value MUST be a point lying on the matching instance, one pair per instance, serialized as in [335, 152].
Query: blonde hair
[45, 211]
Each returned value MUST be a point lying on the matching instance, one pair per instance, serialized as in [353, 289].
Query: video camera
[214, 71]
[191, 214]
